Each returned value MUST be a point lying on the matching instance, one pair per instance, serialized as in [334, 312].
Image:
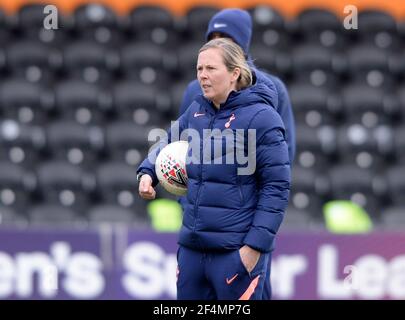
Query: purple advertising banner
[120, 263]
[48, 264]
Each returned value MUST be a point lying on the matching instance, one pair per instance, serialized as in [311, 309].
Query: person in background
[236, 24]
[230, 218]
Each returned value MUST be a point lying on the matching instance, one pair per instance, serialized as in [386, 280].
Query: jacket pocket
[255, 269]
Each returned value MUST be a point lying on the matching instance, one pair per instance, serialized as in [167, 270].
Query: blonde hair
[233, 57]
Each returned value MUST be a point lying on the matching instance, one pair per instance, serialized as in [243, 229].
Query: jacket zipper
[200, 182]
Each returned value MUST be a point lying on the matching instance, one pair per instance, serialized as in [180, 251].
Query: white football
[170, 167]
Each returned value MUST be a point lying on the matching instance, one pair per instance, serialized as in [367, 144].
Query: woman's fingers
[146, 191]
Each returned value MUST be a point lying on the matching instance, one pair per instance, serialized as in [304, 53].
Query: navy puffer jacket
[224, 210]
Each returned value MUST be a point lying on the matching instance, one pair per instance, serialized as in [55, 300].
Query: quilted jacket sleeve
[273, 176]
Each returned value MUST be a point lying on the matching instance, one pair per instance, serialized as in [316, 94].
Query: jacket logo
[196, 114]
[228, 124]
[229, 281]
[220, 25]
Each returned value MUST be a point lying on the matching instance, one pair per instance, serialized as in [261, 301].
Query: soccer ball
[170, 167]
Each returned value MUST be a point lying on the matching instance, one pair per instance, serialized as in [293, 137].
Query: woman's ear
[235, 74]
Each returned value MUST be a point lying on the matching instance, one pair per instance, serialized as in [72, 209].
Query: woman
[230, 220]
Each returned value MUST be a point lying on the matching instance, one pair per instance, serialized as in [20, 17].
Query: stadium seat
[21, 143]
[376, 27]
[393, 218]
[369, 65]
[4, 28]
[33, 61]
[365, 147]
[74, 142]
[29, 23]
[369, 106]
[363, 187]
[195, 22]
[271, 60]
[186, 56]
[53, 215]
[16, 186]
[90, 61]
[147, 63]
[24, 101]
[152, 23]
[316, 147]
[396, 65]
[401, 97]
[97, 22]
[114, 214]
[127, 142]
[308, 190]
[65, 184]
[143, 104]
[269, 27]
[12, 218]
[395, 178]
[117, 184]
[296, 220]
[315, 106]
[81, 101]
[401, 29]
[177, 91]
[317, 65]
[318, 26]
[3, 63]
[399, 142]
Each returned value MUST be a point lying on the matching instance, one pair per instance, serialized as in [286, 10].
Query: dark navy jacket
[224, 210]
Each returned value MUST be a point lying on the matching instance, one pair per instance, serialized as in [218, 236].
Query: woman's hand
[146, 190]
[249, 257]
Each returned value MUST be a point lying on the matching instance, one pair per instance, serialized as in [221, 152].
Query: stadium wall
[287, 8]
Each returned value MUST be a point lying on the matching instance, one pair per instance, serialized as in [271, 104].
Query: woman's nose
[203, 74]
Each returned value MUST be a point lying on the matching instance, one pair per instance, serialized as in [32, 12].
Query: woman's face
[215, 80]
